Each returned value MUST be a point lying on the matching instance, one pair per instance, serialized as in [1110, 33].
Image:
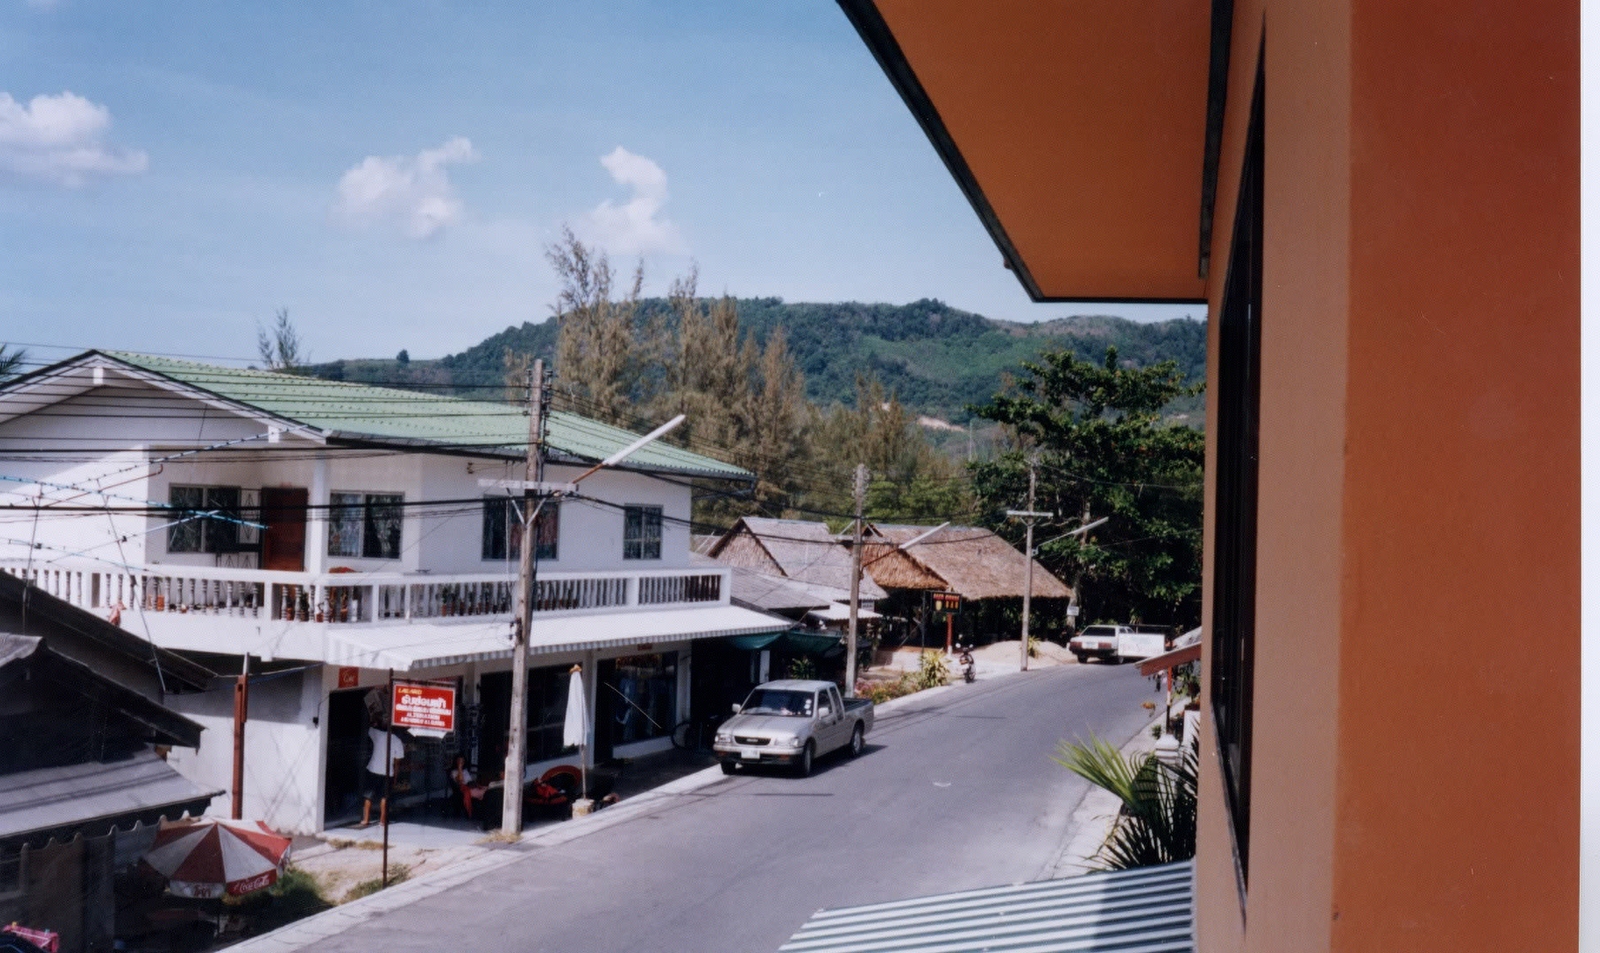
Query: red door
[283, 542]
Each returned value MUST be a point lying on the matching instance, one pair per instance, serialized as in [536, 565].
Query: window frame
[638, 543]
[1231, 661]
[210, 536]
[357, 520]
[507, 543]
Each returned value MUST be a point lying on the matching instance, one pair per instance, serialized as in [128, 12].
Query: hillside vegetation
[937, 359]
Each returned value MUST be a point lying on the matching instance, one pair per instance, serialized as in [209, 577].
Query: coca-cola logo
[241, 887]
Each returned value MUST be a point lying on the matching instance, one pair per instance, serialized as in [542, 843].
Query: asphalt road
[955, 791]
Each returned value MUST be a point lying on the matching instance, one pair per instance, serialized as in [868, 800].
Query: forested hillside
[936, 358]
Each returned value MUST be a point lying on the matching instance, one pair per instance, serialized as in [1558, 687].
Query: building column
[317, 518]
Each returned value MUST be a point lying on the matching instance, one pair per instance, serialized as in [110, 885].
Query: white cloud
[411, 193]
[637, 226]
[60, 139]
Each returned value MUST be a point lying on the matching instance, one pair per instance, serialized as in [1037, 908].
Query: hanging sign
[946, 601]
[424, 707]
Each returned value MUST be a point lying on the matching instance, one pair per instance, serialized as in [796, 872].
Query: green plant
[398, 873]
[804, 667]
[1157, 822]
[880, 691]
[932, 673]
[1033, 647]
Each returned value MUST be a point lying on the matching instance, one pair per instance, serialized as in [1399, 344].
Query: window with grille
[1233, 633]
[205, 519]
[365, 524]
[641, 532]
[502, 529]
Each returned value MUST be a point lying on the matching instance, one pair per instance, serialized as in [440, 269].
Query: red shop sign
[431, 707]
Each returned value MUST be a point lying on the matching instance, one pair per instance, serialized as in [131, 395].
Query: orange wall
[1458, 761]
[1415, 784]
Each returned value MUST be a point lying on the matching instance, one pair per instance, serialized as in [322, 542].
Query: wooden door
[283, 542]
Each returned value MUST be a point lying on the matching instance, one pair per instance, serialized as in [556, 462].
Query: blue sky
[173, 173]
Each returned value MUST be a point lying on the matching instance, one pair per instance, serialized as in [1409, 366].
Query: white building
[335, 532]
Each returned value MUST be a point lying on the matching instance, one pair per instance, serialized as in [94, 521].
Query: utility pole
[1028, 516]
[511, 815]
[855, 582]
[241, 714]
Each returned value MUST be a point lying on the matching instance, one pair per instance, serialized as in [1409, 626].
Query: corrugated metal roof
[93, 796]
[422, 645]
[385, 414]
[1150, 910]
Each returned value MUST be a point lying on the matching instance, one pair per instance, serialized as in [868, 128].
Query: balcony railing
[344, 598]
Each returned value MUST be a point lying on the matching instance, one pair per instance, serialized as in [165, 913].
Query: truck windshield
[775, 701]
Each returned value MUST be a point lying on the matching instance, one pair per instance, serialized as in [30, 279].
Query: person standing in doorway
[388, 746]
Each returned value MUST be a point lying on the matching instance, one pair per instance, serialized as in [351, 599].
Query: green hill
[938, 359]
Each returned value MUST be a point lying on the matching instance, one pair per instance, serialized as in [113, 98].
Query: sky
[391, 173]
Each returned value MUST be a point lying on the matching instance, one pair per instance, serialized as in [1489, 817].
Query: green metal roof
[362, 412]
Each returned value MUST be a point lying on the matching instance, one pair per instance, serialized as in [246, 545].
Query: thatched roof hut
[798, 549]
[965, 559]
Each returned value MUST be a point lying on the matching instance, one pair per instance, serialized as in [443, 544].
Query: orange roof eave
[1077, 131]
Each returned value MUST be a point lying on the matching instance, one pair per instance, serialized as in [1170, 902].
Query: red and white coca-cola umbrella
[209, 857]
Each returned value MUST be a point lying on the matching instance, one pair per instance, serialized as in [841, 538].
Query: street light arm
[632, 448]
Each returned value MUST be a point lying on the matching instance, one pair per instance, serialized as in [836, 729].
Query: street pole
[241, 714]
[1028, 516]
[511, 814]
[388, 776]
[855, 582]
[1027, 592]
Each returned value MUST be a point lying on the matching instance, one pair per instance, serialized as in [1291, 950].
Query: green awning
[795, 643]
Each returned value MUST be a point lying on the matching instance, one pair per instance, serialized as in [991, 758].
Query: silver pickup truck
[792, 723]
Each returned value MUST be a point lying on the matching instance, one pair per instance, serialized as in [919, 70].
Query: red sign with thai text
[430, 707]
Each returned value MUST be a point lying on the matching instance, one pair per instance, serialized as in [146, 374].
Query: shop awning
[838, 613]
[423, 645]
[94, 797]
[1150, 910]
[792, 642]
[1172, 659]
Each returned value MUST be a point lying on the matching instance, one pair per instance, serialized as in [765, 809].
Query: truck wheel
[728, 767]
[1082, 658]
[807, 754]
[857, 741]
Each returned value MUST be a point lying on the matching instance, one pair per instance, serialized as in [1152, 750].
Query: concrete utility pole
[1028, 516]
[855, 583]
[511, 815]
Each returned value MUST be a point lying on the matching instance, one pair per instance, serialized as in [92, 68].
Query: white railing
[342, 598]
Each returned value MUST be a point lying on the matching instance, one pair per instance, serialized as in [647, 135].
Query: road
[956, 790]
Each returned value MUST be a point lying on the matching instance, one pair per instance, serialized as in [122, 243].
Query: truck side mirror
[737, 708]
[824, 711]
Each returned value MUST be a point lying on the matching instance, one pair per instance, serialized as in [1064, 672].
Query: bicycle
[691, 735]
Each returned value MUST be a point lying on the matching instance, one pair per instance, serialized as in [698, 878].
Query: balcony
[353, 598]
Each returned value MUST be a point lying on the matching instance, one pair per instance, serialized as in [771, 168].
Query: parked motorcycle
[969, 668]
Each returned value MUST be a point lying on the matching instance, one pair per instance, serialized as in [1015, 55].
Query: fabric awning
[1150, 910]
[793, 642]
[422, 645]
[1176, 657]
[94, 797]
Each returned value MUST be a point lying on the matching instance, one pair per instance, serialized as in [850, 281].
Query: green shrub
[1158, 818]
[932, 672]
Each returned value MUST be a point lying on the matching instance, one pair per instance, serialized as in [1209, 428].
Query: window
[1238, 427]
[205, 519]
[502, 529]
[641, 532]
[365, 524]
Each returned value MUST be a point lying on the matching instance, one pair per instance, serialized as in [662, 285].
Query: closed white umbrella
[576, 729]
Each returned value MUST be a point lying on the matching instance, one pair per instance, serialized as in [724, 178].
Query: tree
[404, 357]
[279, 345]
[602, 360]
[11, 360]
[1095, 435]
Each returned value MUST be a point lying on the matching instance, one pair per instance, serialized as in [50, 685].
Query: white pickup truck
[792, 723]
[1120, 643]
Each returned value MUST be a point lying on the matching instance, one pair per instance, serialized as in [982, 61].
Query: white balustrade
[344, 598]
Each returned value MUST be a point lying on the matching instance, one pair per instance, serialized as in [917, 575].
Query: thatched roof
[798, 549]
[965, 559]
